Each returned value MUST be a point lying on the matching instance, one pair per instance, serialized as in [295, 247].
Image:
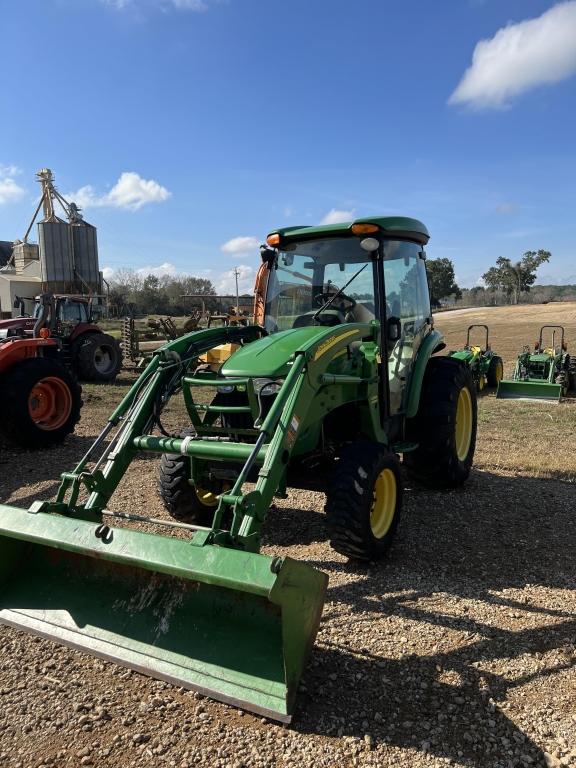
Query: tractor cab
[65, 311]
[371, 272]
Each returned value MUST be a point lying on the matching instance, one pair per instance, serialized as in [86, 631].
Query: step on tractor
[485, 366]
[339, 368]
[542, 373]
[91, 354]
[40, 399]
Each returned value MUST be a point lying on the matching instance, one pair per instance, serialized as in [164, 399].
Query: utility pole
[236, 275]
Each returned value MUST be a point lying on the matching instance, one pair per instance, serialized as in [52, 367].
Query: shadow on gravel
[287, 526]
[405, 703]
[497, 533]
[20, 468]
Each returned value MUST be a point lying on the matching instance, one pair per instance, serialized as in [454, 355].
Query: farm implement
[544, 373]
[486, 367]
[337, 369]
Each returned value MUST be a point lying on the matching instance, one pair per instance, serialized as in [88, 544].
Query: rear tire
[495, 371]
[363, 501]
[98, 357]
[43, 400]
[445, 426]
[182, 499]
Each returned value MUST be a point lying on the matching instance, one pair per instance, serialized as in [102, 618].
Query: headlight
[267, 386]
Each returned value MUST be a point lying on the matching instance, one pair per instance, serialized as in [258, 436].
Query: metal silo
[85, 255]
[56, 264]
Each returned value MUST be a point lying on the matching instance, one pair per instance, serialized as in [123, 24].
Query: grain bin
[56, 264]
[85, 254]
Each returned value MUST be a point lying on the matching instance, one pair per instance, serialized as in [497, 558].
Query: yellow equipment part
[218, 355]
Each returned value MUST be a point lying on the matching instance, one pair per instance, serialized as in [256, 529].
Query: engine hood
[270, 356]
[18, 322]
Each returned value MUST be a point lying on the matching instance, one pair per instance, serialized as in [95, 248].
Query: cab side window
[406, 285]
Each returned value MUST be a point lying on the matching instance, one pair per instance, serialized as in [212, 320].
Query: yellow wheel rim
[481, 383]
[464, 420]
[499, 372]
[384, 504]
[207, 498]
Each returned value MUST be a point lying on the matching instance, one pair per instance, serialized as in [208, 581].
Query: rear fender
[434, 342]
[16, 350]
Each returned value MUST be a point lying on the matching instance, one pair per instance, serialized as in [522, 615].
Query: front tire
[445, 426]
[43, 403]
[495, 371]
[363, 501]
[182, 499]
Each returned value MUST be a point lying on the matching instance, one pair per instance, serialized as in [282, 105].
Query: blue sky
[188, 129]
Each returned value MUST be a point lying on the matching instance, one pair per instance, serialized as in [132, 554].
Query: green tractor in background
[486, 367]
[339, 368]
[544, 373]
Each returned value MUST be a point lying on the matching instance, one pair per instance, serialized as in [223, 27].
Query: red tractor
[40, 400]
[91, 354]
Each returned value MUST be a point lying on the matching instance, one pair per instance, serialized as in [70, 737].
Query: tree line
[507, 282]
[134, 294]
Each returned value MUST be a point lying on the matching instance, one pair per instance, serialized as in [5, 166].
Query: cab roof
[395, 226]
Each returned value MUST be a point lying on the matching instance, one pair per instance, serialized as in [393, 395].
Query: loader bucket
[532, 390]
[233, 625]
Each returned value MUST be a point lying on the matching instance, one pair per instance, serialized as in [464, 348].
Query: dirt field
[459, 650]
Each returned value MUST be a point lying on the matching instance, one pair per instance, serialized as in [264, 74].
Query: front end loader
[337, 369]
[485, 366]
[543, 373]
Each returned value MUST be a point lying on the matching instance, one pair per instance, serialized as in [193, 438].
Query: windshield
[308, 276]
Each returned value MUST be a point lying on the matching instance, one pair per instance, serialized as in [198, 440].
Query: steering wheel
[345, 302]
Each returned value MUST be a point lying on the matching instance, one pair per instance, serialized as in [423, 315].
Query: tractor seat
[328, 318]
[361, 313]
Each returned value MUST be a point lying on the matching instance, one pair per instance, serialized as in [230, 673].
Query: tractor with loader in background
[486, 367]
[339, 367]
[542, 373]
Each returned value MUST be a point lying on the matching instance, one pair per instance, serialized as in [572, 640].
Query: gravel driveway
[459, 650]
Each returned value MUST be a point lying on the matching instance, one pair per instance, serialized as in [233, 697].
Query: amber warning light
[364, 229]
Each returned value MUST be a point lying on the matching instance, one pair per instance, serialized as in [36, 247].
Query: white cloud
[238, 245]
[179, 5]
[226, 284]
[10, 191]
[162, 270]
[189, 5]
[336, 216]
[520, 57]
[130, 192]
[518, 234]
[507, 208]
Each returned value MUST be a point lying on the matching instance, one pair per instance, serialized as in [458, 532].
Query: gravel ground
[459, 650]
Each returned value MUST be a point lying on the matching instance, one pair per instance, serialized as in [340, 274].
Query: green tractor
[486, 367]
[339, 367]
[544, 373]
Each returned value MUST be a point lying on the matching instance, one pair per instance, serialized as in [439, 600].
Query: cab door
[408, 313]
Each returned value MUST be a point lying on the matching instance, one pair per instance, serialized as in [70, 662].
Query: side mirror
[393, 329]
